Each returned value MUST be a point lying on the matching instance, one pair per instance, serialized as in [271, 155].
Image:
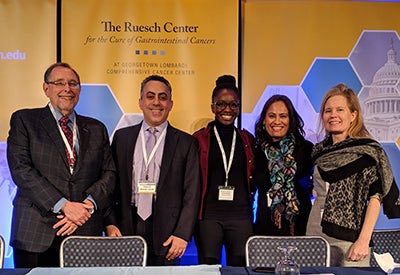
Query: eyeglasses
[62, 84]
[221, 105]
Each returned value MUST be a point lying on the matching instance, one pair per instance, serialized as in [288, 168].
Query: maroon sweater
[203, 136]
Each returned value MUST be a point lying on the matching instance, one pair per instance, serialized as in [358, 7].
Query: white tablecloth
[135, 270]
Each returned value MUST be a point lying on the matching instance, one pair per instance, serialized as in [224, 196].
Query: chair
[89, 251]
[1, 252]
[311, 250]
[386, 240]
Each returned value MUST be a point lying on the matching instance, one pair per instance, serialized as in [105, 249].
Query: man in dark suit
[65, 176]
[165, 177]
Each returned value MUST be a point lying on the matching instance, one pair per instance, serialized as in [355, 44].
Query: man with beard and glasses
[62, 165]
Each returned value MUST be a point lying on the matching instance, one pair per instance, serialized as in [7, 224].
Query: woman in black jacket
[283, 170]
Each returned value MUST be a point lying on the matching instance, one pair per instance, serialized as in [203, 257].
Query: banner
[282, 38]
[27, 48]
[303, 48]
[119, 43]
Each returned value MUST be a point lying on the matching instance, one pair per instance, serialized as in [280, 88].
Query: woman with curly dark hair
[283, 170]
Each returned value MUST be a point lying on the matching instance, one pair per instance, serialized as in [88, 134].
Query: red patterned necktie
[68, 134]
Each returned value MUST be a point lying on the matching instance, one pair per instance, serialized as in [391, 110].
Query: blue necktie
[145, 202]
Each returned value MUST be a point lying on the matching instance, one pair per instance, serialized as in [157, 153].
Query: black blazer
[39, 167]
[178, 188]
[303, 184]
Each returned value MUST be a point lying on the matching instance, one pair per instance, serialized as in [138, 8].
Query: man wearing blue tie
[62, 165]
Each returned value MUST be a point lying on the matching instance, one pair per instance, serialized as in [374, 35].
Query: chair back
[386, 240]
[311, 250]
[90, 251]
[2, 247]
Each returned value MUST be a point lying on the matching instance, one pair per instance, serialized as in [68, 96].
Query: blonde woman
[352, 175]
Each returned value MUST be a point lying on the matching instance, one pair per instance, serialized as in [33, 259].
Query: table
[192, 270]
[228, 270]
[134, 270]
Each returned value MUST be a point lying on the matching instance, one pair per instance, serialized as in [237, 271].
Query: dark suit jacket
[178, 188]
[302, 184]
[39, 167]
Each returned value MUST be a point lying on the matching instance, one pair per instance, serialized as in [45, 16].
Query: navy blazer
[178, 188]
[39, 167]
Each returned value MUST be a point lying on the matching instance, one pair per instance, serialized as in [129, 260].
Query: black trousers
[211, 235]
[145, 229]
[48, 258]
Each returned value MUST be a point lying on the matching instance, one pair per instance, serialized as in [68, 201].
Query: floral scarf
[282, 167]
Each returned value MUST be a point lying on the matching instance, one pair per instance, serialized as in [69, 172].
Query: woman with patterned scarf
[352, 175]
[283, 170]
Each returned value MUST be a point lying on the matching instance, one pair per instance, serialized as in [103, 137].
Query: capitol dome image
[381, 108]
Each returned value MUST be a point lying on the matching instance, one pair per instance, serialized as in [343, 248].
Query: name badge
[146, 187]
[225, 193]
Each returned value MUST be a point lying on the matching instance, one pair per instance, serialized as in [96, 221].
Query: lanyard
[153, 152]
[69, 149]
[227, 166]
